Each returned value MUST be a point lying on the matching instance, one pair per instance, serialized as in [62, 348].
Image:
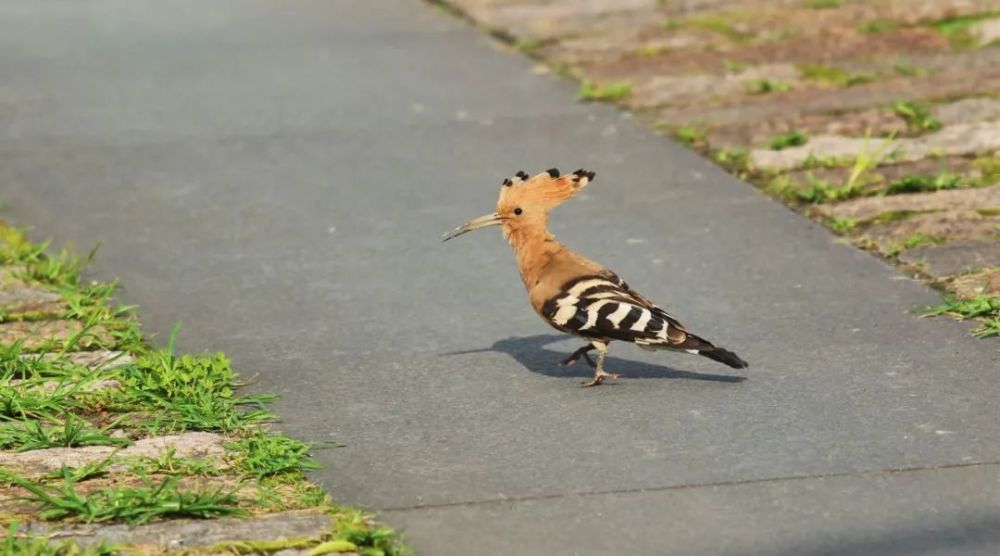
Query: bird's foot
[575, 356]
[598, 379]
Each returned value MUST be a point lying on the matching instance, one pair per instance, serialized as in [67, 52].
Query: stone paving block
[679, 89]
[51, 385]
[949, 259]
[986, 31]
[15, 500]
[946, 225]
[190, 444]
[184, 534]
[957, 139]
[888, 173]
[879, 121]
[979, 74]
[10, 277]
[986, 198]
[552, 19]
[22, 301]
[41, 334]
[968, 110]
[100, 359]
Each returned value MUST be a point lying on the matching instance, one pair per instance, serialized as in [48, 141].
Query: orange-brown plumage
[574, 294]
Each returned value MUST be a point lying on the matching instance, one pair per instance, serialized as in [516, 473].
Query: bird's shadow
[531, 353]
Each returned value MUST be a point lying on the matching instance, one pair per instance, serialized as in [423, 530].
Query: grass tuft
[650, 50]
[611, 92]
[48, 401]
[266, 454]
[190, 393]
[692, 135]
[958, 29]
[793, 138]
[919, 183]
[879, 26]
[983, 308]
[841, 225]
[527, 45]
[988, 167]
[734, 159]
[74, 432]
[917, 116]
[822, 191]
[766, 86]
[834, 76]
[124, 503]
[723, 26]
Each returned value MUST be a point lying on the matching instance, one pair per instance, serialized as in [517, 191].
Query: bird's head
[525, 201]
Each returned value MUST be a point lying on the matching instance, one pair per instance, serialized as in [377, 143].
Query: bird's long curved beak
[474, 224]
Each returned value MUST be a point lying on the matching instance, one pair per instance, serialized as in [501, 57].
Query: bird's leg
[599, 374]
[576, 356]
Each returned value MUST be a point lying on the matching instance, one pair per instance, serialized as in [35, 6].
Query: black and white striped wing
[604, 307]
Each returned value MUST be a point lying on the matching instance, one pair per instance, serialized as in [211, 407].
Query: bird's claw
[598, 379]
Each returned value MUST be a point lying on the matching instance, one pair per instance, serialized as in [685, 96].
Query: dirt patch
[969, 286]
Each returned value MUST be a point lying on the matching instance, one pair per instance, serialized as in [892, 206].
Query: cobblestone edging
[110, 446]
[828, 105]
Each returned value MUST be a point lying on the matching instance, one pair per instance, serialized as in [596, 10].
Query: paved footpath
[277, 176]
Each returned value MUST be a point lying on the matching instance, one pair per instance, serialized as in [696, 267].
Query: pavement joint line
[556, 496]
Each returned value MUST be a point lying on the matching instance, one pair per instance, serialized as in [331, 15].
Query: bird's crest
[547, 189]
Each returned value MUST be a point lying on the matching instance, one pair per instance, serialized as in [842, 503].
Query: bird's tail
[724, 356]
[704, 348]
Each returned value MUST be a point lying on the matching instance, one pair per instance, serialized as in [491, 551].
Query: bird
[576, 295]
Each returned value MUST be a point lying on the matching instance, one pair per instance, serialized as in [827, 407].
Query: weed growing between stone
[132, 505]
[717, 45]
[917, 183]
[49, 400]
[985, 309]
[765, 86]
[956, 29]
[917, 116]
[793, 138]
[610, 92]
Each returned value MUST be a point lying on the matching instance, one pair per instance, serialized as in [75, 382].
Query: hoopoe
[576, 295]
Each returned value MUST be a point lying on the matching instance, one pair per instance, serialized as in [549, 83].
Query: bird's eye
[518, 211]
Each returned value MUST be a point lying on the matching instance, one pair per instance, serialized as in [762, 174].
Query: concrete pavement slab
[308, 249]
[934, 511]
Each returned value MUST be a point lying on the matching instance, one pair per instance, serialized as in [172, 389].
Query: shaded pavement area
[277, 177]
